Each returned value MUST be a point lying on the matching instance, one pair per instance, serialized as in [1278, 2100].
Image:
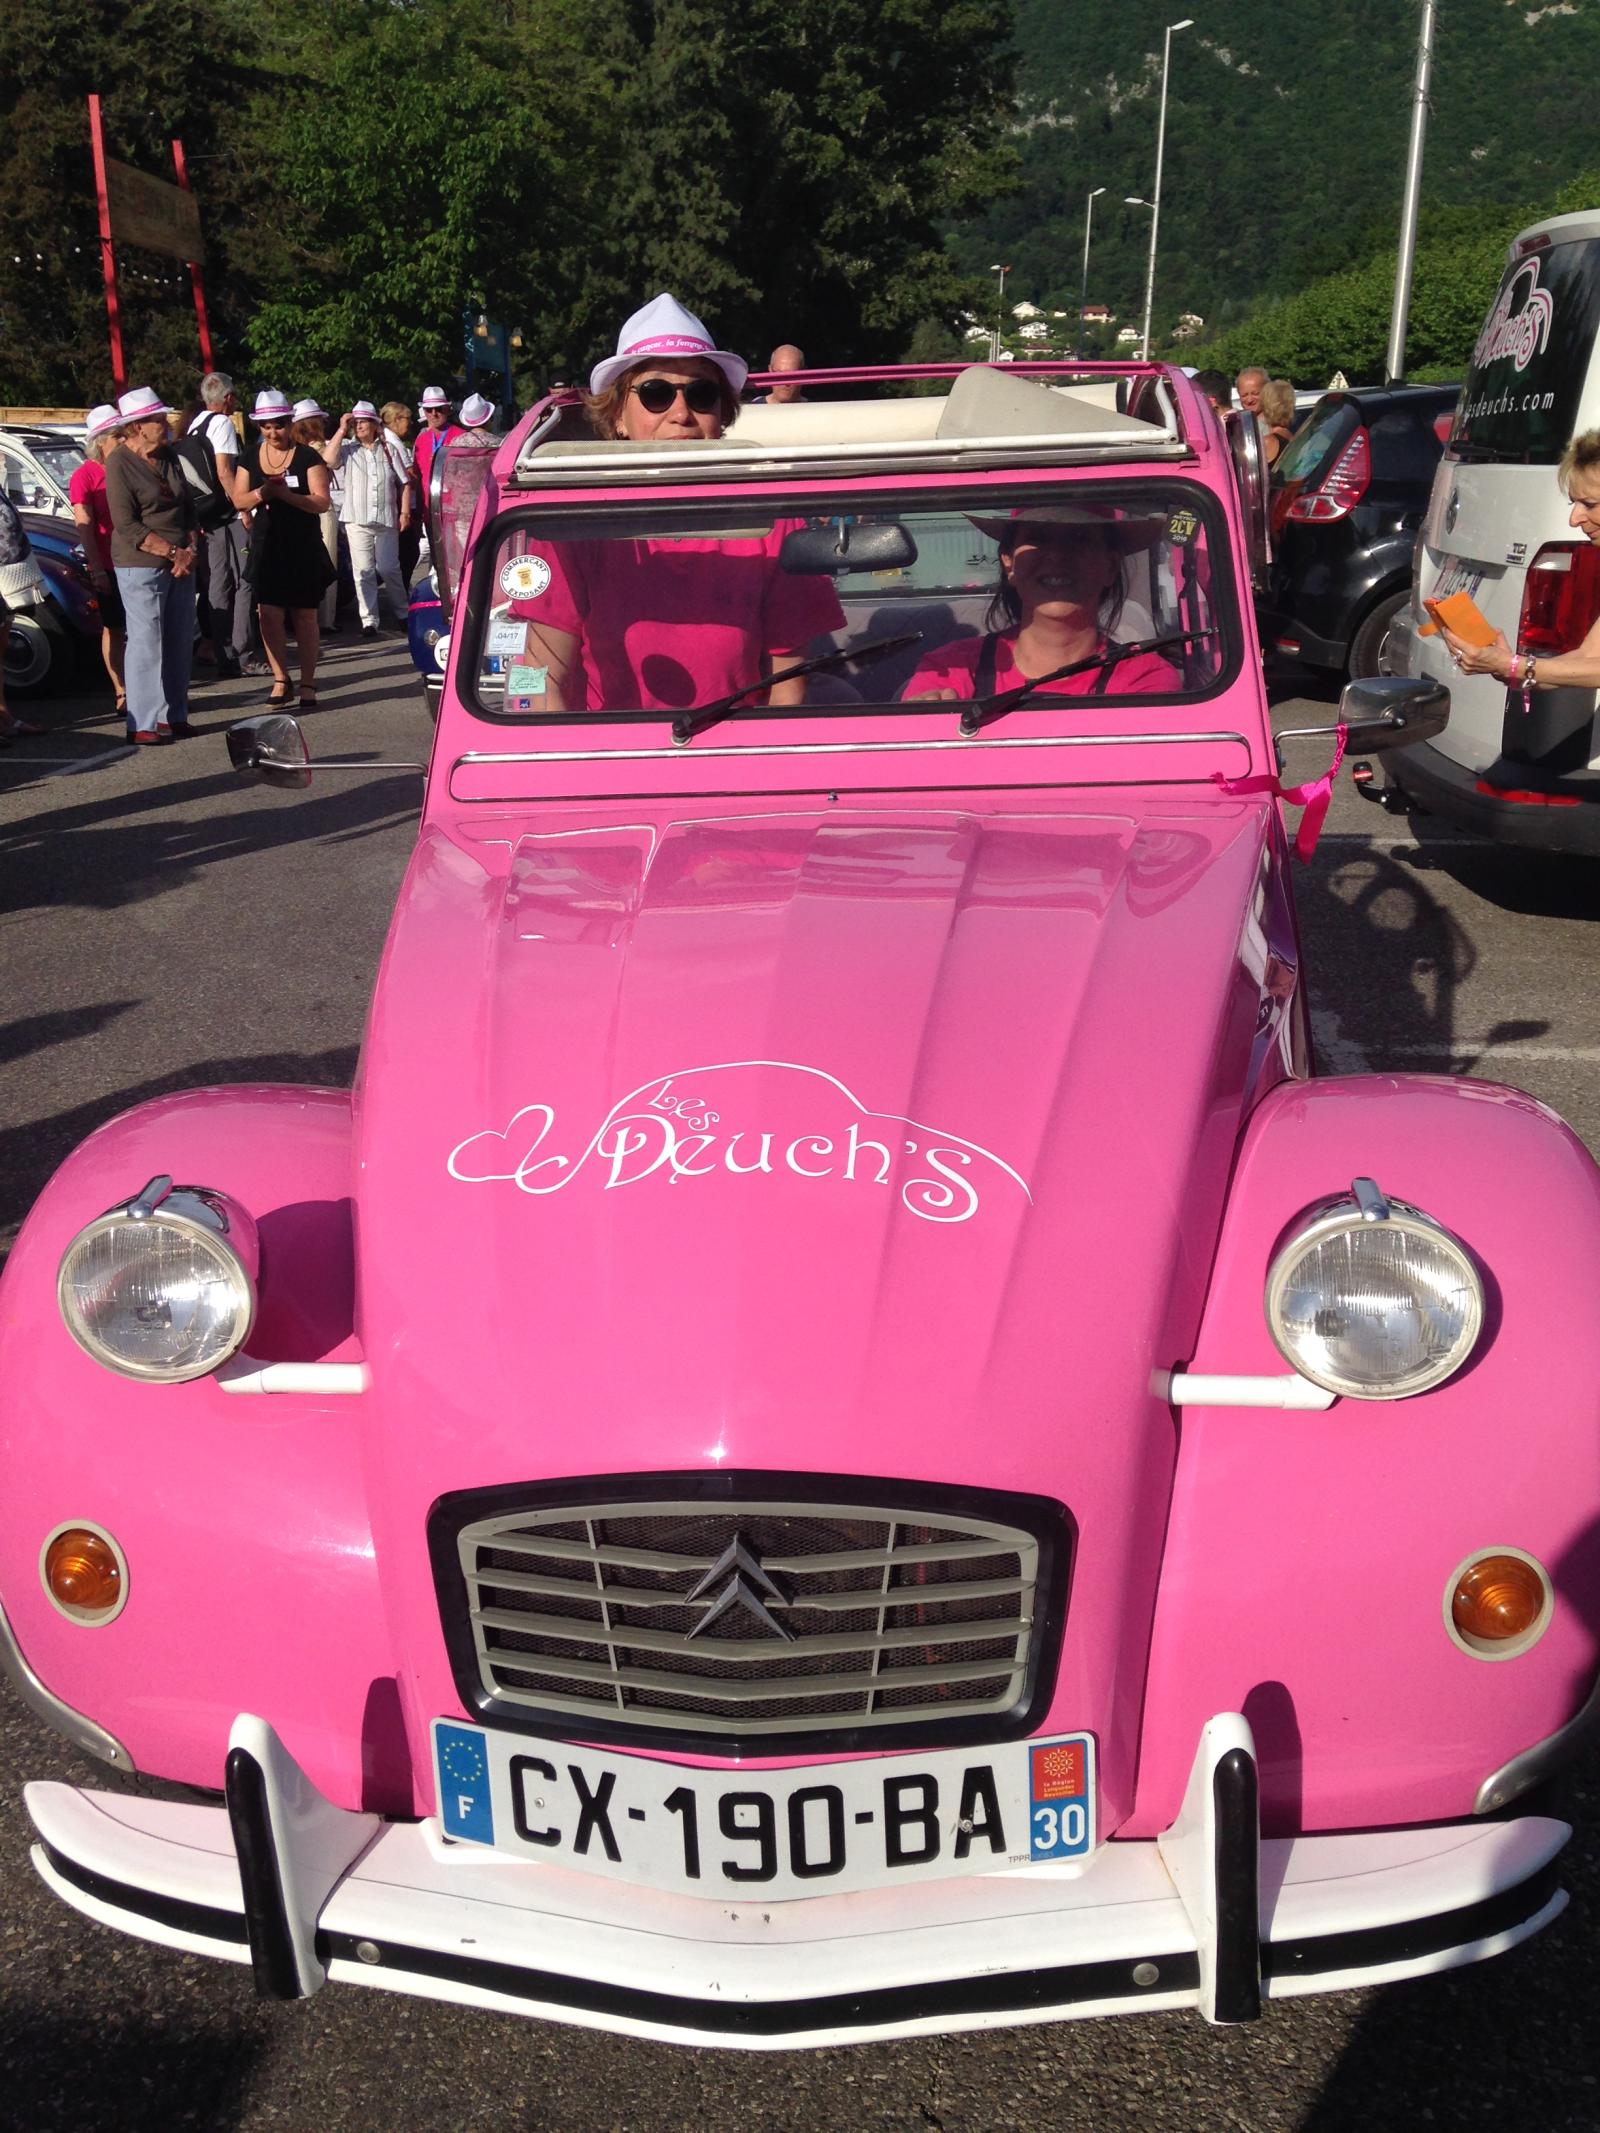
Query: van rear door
[1496, 502]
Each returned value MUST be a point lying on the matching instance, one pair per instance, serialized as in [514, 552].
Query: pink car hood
[884, 1143]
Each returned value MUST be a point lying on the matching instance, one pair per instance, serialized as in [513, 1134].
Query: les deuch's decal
[696, 1123]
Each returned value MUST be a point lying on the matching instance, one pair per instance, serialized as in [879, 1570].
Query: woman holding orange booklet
[1579, 476]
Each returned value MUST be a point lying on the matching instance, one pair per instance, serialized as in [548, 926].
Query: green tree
[435, 153]
[160, 73]
[792, 164]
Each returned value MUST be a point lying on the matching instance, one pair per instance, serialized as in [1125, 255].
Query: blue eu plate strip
[465, 1808]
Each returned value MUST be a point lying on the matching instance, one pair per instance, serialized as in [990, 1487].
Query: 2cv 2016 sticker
[700, 1122]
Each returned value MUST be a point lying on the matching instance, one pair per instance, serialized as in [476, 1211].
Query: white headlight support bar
[245, 1374]
[1186, 1388]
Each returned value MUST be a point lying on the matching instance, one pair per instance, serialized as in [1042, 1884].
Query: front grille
[816, 1618]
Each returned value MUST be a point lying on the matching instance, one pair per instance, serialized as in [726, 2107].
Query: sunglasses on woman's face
[701, 396]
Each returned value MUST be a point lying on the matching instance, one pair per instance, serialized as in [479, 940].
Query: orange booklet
[1461, 615]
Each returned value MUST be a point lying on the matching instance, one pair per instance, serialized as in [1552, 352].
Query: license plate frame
[826, 1828]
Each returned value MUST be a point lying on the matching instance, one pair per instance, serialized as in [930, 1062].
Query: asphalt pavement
[166, 925]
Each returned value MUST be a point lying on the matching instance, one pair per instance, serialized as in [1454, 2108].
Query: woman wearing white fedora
[375, 510]
[682, 621]
[92, 516]
[153, 546]
[288, 565]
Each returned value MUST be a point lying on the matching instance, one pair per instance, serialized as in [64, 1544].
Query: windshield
[1521, 396]
[669, 609]
[30, 469]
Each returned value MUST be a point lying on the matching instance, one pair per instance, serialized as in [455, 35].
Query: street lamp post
[1395, 360]
[1083, 293]
[1155, 200]
[999, 311]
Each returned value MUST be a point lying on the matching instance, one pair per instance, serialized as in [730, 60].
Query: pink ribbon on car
[1313, 797]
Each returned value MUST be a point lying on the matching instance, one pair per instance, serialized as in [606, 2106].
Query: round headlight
[1376, 1301]
[163, 1287]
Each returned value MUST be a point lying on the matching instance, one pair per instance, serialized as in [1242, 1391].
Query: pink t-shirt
[666, 624]
[88, 486]
[954, 667]
[427, 444]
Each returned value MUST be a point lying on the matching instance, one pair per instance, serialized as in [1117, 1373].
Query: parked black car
[1349, 492]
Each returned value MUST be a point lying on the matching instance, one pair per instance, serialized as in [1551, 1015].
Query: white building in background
[977, 333]
[1036, 329]
[1025, 311]
[1189, 324]
[1126, 336]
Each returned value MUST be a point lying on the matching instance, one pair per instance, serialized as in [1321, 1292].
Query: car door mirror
[271, 747]
[1393, 711]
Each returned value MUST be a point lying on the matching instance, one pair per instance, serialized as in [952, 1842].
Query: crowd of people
[201, 527]
[239, 533]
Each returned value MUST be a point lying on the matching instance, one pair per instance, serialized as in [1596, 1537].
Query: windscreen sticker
[525, 577]
[526, 681]
[508, 637]
[1183, 525]
[744, 1118]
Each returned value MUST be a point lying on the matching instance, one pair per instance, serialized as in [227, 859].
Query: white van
[1497, 528]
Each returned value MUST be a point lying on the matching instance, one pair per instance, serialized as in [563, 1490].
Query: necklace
[283, 460]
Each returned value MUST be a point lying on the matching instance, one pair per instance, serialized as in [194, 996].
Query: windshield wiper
[987, 709]
[688, 723]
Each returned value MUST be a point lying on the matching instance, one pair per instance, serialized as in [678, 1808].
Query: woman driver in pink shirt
[666, 623]
[1058, 601]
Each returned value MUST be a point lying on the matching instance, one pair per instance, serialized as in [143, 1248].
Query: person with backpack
[210, 457]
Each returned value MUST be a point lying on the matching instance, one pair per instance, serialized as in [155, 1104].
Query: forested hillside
[1286, 138]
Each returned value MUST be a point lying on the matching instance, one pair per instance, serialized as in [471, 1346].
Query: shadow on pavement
[110, 2067]
[103, 864]
[31, 1150]
[1390, 951]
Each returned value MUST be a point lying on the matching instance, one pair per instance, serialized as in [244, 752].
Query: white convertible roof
[986, 419]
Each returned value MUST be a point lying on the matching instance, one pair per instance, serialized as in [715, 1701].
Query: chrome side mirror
[1393, 711]
[270, 747]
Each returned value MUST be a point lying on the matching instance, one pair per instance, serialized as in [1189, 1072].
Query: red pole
[206, 362]
[108, 258]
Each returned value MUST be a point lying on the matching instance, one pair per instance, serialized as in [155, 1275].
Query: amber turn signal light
[1498, 1599]
[83, 1574]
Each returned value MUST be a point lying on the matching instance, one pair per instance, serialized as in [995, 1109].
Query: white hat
[101, 419]
[432, 396]
[141, 404]
[305, 409]
[476, 411]
[364, 411]
[664, 328]
[271, 407]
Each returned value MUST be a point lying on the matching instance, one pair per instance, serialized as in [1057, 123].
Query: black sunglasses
[702, 396]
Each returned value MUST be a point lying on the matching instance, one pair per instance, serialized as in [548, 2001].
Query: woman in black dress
[286, 484]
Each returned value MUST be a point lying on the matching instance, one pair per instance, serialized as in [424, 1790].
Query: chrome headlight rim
[1342, 1213]
[199, 1213]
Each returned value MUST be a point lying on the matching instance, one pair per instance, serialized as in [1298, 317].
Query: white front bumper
[398, 1905]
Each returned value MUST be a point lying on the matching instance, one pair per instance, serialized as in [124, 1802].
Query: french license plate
[1457, 574]
[825, 1828]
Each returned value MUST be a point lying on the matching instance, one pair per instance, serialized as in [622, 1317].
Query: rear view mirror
[834, 547]
[270, 747]
[1393, 711]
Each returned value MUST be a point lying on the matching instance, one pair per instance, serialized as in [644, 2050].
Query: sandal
[11, 726]
[120, 708]
[281, 694]
[308, 696]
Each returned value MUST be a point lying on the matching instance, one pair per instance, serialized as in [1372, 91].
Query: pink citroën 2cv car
[839, 1438]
